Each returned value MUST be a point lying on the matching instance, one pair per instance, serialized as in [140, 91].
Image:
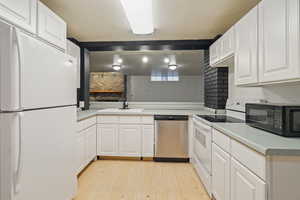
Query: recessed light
[120, 60]
[116, 67]
[167, 60]
[172, 67]
[145, 59]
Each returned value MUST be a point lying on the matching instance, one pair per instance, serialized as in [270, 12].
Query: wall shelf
[105, 91]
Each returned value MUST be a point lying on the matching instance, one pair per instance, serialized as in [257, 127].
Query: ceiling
[189, 62]
[105, 20]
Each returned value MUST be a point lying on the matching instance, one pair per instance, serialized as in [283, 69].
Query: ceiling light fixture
[120, 60]
[145, 59]
[116, 67]
[173, 67]
[167, 60]
[140, 16]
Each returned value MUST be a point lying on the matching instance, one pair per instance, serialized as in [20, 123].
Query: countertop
[90, 113]
[259, 140]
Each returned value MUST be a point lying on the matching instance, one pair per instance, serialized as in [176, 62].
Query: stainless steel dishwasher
[171, 138]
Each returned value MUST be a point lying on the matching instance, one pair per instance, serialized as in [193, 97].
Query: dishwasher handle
[171, 117]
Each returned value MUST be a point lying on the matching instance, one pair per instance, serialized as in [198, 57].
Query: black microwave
[280, 119]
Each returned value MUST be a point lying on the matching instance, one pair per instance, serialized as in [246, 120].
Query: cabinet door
[214, 53]
[81, 151]
[220, 173]
[74, 51]
[107, 139]
[244, 184]
[51, 27]
[130, 140]
[20, 12]
[227, 44]
[148, 141]
[279, 40]
[91, 143]
[246, 49]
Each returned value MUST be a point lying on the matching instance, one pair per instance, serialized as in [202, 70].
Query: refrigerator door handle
[19, 65]
[19, 165]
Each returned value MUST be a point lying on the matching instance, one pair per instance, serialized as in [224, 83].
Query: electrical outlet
[81, 104]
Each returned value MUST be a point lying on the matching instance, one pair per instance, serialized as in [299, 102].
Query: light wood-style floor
[140, 180]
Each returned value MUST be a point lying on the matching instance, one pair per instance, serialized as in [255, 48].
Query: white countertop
[90, 113]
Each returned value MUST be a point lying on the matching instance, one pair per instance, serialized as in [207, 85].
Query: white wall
[279, 93]
[187, 89]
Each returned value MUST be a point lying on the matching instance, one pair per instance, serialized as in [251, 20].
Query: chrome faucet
[125, 104]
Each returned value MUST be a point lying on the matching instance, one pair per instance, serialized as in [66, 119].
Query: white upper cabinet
[214, 50]
[74, 51]
[20, 12]
[51, 27]
[279, 40]
[246, 49]
[244, 184]
[227, 44]
[223, 49]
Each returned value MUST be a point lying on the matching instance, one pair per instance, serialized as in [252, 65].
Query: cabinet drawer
[84, 124]
[130, 120]
[147, 120]
[107, 119]
[250, 158]
[221, 140]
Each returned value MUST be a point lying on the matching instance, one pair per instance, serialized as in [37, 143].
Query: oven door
[202, 144]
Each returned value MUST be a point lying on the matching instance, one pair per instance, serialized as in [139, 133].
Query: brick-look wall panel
[215, 85]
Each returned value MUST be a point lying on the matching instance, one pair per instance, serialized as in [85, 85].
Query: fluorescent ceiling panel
[140, 16]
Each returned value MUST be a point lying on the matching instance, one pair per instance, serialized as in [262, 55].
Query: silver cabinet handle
[19, 167]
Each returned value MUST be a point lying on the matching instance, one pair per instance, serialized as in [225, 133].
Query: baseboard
[118, 158]
[163, 159]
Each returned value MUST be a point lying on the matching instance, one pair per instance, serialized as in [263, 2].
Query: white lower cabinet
[220, 173]
[86, 146]
[107, 139]
[91, 143]
[234, 171]
[130, 140]
[147, 141]
[128, 136]
[81, 151]
[244, 184]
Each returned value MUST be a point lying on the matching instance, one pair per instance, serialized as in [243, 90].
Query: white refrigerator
[37, 119]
